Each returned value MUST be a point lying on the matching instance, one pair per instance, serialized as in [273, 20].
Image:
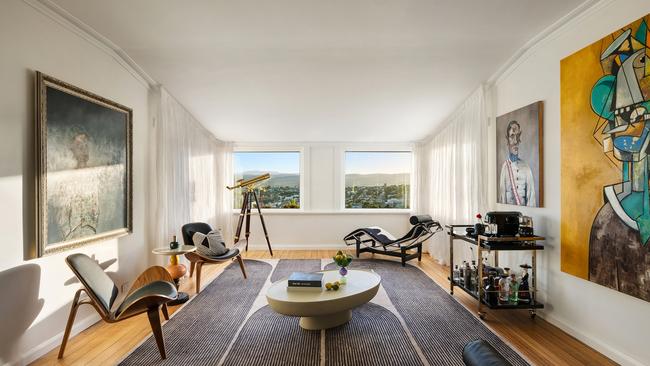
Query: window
[283, 189]
[377, 179]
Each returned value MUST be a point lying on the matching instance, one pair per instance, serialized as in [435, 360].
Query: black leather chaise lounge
[377, 240]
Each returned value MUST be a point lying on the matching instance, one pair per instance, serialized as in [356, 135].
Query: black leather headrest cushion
[420, 219]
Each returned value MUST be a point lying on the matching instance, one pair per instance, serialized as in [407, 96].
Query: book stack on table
[303, 281]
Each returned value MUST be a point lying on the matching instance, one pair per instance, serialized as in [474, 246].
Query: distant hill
[293, 180]
[277, 179]
[376, 179]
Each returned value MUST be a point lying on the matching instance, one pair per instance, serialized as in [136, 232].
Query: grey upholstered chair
[150, 292]
[197, 260]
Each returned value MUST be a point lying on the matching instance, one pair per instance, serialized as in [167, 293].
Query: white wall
[36, 294]
[612, 322]
[323, 223]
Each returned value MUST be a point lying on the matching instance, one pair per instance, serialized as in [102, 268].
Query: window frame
[274, 149]
[378, 149]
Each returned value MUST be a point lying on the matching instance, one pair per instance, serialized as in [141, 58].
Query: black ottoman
[481, 353]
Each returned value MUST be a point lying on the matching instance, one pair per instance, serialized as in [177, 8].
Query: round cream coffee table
[324, 309]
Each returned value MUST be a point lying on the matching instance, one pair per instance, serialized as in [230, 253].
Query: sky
[376, 162]
[357, 162]
[281, 162]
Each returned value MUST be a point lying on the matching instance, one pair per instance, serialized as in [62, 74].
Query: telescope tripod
[246, 207]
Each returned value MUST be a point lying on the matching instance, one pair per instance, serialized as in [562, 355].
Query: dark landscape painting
[85, 167]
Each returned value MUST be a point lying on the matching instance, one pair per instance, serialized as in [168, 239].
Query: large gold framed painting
[605, 96]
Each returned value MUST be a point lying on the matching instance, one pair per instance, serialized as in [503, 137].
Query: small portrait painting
[519, 156]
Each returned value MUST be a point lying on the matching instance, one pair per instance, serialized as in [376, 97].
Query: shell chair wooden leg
[156, 328]
[149, 294]
[199, 267]
[241, 265]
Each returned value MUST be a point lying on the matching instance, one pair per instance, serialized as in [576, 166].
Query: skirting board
[599, 346]
[262, 246]
[54, 342]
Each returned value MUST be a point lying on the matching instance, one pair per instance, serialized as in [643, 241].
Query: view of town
[377, 190]
[372, 179]
[361, 191]
[281, 191]
[380, 196]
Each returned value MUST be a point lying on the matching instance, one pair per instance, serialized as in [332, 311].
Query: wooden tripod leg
[242, 213]
[266, 234]
[154, 321]
[68, 326]
[248, 218]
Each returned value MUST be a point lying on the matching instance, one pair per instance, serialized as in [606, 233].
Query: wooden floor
[540, 342]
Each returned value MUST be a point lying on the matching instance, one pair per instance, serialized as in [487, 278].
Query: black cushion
[227, 255]
[188, 231]
[420, 219]
[481, 353]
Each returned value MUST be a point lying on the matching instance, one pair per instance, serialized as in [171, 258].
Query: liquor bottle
[467, 274]
[514, 289]
[491, 295]
[456, 276]
[461, 274]
[473, 277]
[524, 287]
[504, 289]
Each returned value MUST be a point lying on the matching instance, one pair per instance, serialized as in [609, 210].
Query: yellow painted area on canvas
[583, 159]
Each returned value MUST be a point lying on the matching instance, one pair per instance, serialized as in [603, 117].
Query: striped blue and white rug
[411, 321]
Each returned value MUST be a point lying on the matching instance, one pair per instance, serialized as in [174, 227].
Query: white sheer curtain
[189, 173]
[453, 171]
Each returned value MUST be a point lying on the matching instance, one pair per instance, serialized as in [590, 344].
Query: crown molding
[75, 25]
[550, 32]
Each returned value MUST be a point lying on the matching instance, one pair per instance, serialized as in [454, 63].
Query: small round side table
[175, 269]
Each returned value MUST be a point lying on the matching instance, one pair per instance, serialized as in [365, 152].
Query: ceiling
[306, 70]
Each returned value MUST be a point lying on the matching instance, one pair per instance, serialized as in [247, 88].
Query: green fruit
[335, 287]
[328, 286]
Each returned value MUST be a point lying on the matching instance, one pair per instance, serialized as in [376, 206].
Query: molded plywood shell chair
[150, 293]
[197, 260]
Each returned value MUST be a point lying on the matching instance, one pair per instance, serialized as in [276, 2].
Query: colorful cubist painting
[605, 134]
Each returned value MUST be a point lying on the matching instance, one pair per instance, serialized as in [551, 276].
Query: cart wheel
[482, 316]
[532, 314]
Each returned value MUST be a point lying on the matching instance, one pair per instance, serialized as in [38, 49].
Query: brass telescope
[249, 182]
[248, 197]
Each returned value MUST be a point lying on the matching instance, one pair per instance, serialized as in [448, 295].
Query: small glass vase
[343, 272]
